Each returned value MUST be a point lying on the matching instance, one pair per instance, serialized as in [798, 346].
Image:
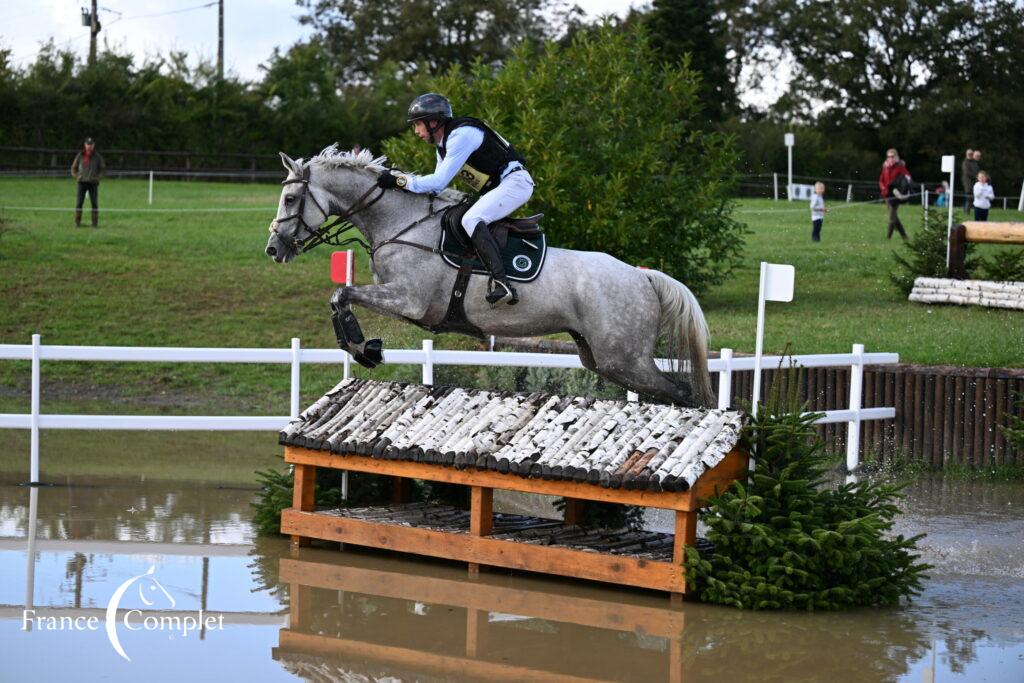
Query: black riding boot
[490, 254]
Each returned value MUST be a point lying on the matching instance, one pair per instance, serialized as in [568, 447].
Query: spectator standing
[894, 183]
[818, 211]
[983, 196]
[968, 176]
[87, 169]
[941, 194]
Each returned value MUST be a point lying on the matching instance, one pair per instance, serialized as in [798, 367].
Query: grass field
[201, 279]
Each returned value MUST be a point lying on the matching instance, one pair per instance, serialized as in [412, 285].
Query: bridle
[327, 234]
[332, 232]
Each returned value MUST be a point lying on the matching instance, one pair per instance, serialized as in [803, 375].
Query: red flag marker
[343, 267]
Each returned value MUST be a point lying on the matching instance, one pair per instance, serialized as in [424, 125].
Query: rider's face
[420, 128]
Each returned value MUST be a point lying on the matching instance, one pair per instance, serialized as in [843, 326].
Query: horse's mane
[333, 157]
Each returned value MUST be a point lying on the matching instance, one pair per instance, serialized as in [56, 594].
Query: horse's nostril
[271, 251]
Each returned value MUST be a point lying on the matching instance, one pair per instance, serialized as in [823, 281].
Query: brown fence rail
[43, 159]
[944, 415]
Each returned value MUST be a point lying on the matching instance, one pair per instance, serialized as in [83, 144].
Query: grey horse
[615, 312]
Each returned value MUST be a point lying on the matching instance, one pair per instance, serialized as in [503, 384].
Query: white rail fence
[426, 357]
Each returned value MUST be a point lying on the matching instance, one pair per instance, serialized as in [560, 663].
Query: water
[325, 615]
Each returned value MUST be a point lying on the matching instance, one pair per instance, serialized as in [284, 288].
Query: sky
[252, 28]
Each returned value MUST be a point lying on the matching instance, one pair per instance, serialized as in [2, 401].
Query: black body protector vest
[483, 168]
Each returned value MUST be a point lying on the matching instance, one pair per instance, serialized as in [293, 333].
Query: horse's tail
[683, 325]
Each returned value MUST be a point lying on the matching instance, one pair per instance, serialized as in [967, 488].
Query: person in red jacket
[894, 182]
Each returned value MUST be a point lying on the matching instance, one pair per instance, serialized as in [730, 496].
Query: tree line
[929, 77]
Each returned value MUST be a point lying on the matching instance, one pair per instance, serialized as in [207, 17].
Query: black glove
[387, 181]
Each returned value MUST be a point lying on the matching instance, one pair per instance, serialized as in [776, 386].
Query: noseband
[330, 233]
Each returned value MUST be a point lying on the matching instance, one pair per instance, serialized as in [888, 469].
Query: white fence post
[725, 380]
[428, 362]
[1020, 204]
[33, 477]
[853, 426]
[775, 184]
[296, 376]
[150, 187]
[924, 197]
[849, 193]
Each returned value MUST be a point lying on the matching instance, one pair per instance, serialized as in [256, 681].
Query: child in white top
[983, 196]
[818, 211]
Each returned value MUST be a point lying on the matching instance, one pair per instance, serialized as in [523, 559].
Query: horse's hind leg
[635, 369]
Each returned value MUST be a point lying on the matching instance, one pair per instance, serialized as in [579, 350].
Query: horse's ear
[289, 164]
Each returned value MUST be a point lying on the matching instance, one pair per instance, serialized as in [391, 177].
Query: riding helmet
[429, 106]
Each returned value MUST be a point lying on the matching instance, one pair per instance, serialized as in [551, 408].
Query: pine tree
[785, 540]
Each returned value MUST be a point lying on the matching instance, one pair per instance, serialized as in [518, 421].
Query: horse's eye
[289, 198]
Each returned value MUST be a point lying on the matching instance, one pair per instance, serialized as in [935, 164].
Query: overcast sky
[252, 28]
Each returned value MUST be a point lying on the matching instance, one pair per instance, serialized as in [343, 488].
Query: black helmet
[429, 106]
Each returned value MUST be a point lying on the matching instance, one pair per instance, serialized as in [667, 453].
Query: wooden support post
[686, 534]
[573, 510]
[476, 625]
[400, 490]
[957, 252]
[300, 604]
[675, 656]
[481, 517]
[303, 496]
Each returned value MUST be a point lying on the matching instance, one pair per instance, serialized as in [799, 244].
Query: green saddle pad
[523, 256]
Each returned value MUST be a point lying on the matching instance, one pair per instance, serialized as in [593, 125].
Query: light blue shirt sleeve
[462, 142]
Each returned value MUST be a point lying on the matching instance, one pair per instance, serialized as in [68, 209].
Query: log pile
[647, 545]
[614, 444]
[933, 290]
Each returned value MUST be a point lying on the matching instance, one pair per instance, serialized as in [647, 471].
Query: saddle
[522, 242]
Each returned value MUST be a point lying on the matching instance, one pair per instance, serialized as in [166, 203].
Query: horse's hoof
[374, 351]
[364, 361]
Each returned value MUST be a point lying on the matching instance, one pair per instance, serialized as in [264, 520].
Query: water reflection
[325, 615]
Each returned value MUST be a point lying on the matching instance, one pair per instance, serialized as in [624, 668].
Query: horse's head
[303, 206]
[344, 185]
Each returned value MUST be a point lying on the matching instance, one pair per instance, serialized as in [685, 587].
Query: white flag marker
[776, 285]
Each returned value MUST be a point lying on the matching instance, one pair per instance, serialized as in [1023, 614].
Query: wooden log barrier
[979, 232]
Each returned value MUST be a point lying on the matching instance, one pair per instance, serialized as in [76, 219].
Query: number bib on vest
[476, 179]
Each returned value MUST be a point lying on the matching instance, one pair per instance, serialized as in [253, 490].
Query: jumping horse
[616, 313]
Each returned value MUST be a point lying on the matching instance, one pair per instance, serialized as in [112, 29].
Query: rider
[467, 147]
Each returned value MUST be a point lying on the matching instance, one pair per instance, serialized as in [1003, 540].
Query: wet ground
[104, 578]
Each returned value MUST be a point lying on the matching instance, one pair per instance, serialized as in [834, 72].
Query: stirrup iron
[500, 291]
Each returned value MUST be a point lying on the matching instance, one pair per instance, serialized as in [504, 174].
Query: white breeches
[509, 195]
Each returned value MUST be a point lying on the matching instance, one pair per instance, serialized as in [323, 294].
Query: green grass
[201, 279]
[227, 458]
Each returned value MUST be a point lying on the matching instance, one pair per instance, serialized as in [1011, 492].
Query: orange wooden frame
[475, 548]
[479, 600]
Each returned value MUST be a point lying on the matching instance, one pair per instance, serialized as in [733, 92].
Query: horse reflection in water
[616, 313]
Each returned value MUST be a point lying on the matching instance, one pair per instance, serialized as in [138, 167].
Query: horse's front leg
[389, 299]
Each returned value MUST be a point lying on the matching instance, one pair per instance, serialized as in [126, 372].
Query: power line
[164, 14]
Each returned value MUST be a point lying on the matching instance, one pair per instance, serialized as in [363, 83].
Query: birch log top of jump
[609, 443]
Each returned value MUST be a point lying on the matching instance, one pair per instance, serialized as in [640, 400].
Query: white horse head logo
[115, 601]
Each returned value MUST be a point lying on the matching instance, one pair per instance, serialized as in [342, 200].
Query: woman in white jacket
[983, 196]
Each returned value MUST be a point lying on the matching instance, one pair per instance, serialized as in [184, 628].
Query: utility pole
[94, 29]
[220, 41]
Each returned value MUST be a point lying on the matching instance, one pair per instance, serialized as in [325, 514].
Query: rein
[331, 233]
